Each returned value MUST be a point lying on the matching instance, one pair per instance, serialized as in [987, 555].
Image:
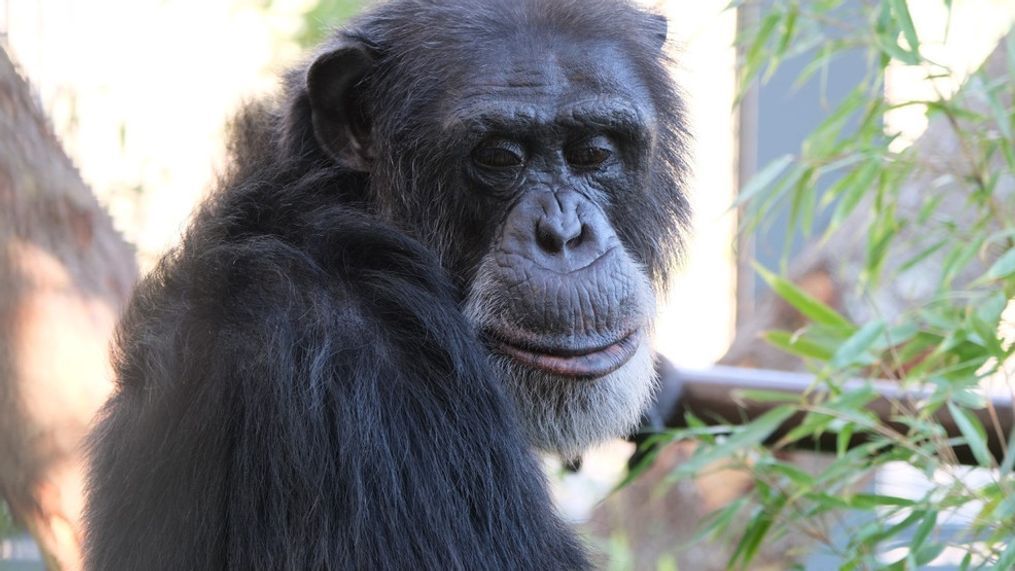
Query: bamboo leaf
[867, 501]
[905, 21]
[853, 188]
[763, 179]
[923, 531]
[803, 302]
[758, 395]
[926, 554]
[744, 437]
[719, 521]
[756, 50]
[1007, 559]
[756, 530]
[858, 345]
[1001, 115]
[1008, 462]
[1003, 267]
[892, 49]
[842, 439]
[797, 345]
[923, 255]
[973, 432]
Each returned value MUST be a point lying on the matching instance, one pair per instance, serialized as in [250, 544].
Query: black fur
[311, 405]
[297, 385]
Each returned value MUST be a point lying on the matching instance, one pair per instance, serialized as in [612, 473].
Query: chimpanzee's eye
[499, 155]
[590, 153]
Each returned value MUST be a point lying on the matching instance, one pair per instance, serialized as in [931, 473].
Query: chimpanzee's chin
[565, 416]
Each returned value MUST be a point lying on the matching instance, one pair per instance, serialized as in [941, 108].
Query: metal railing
[712, 395]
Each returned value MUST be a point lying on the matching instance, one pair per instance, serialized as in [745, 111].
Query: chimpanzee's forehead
[545, 77]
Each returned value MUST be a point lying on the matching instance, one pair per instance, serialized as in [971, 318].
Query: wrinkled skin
[558, 298]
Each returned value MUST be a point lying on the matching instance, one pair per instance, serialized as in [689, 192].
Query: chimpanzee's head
[538, 147]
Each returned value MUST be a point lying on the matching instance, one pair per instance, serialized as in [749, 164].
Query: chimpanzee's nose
[554, 234]
[557, 230]
[567, 231]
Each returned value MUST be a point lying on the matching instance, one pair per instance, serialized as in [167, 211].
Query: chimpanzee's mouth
[578, 360]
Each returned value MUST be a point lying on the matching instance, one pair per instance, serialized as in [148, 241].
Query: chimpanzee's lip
[579, 361]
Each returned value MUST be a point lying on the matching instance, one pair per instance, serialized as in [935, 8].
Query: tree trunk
[65, 274]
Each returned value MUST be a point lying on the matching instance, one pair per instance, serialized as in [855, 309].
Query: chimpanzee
[437, 251]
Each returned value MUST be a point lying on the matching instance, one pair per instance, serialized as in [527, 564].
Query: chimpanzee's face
[544, 169]
[554, 139]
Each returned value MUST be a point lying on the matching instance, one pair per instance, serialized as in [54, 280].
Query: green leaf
[755, 52]
[842, 439]
[651, 451]
[1001, 115]
[853, 188]
[1008, 462]
[803, 302]
[813, 425]
[958, 259]
[1005, 504]
[766, 396]
[867, 501]
[718, 522]
[854, 400]
[763, 179]
[827, 502]
[921, 345]
[800, 478]
[1007, 559]
[973, 432]
[988, 335]
[788, 29]
[923, 255]
[892, 49]
[743, 437]
[929, 207]
[923, 531]
[926, 554]
[826, 53]
[878, 533]
[855, 349]
[1009, 45]
[756, 530]
[1003, 267]
[802, 204]
[990, 309]
[797, 345]
[905, 20]
[968, 399]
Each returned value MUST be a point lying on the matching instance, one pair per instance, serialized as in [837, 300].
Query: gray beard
[566, 416]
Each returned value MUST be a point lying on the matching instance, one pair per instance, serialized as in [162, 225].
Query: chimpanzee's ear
[342, 123]
[659, 27]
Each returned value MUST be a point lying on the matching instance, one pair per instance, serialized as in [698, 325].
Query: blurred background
[138, 93]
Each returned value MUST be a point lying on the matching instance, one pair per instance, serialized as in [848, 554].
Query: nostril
[579, 238]
[549, 240]
[554, 237]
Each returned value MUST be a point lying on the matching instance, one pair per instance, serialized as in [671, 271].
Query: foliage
[323, 17]
[945, 345]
